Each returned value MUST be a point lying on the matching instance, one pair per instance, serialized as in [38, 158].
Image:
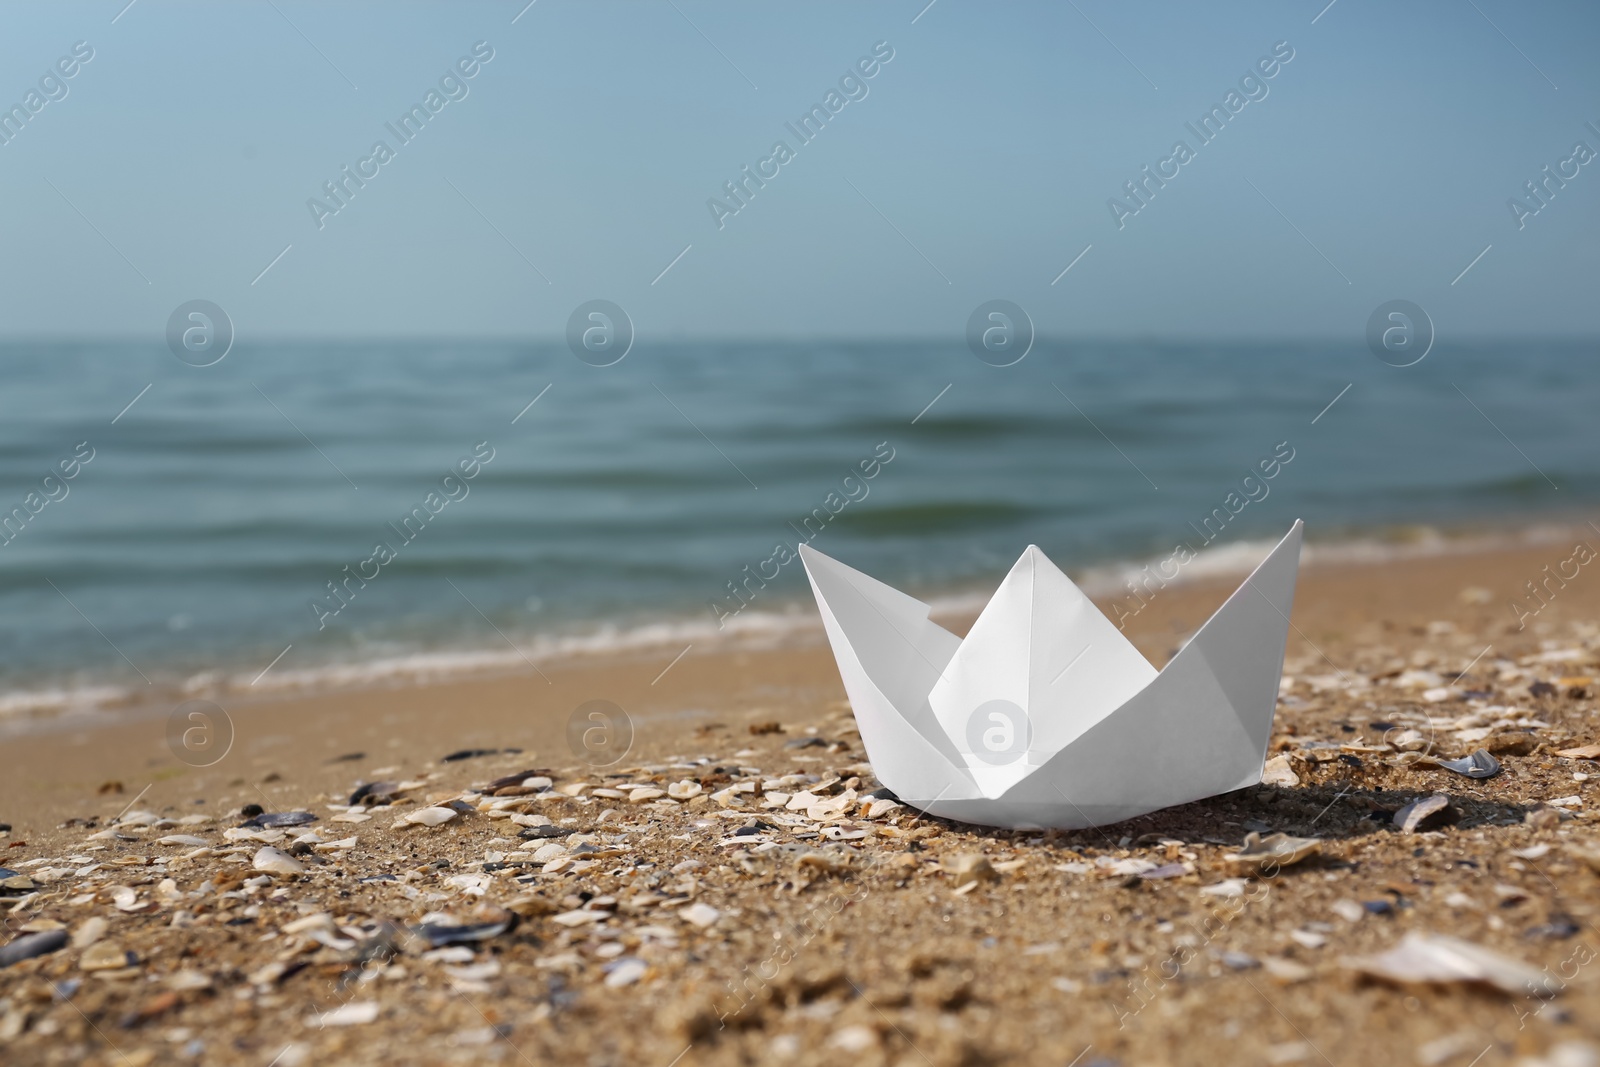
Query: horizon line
[56, 340]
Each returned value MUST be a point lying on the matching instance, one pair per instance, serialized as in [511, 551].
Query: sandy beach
[519, 904]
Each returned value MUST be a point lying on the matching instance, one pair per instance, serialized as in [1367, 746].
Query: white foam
[59, 700]
[750, 628]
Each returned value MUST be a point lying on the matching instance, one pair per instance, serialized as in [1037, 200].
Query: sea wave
[791, 624]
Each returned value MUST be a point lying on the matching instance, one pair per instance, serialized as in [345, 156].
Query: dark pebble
[806, 742]
[1542, 689]
[30, 945]
[250, 811]
[469, 753]
[5, 828]
[1378, 907]
[349, 757]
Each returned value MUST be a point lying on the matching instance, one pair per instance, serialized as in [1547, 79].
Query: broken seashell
[1478, 765]
[30, 945]
[355, 1013]
[429, 817]
[277, 819]
[105, 956]
[489, 921]
[182, 839]
[1426, 813]
[1169, 870]
[580, 917]
[700, 914]
[624, 972]
[1424, 957]
[188, 981]
[1278, 772]
[970, 867]
[1273, 851]
[89, 931]
[375, 793]
[273, 861]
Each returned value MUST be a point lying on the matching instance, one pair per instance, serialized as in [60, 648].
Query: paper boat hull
[1200, 727]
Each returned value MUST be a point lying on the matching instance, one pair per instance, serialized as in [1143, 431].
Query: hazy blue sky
[982, 160]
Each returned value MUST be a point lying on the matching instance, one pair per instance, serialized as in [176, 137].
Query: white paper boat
[1046, 716]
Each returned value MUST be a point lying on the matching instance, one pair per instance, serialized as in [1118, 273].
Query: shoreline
[659, 677]
[788, 623]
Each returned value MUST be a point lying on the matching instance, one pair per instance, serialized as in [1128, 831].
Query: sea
[657, 501]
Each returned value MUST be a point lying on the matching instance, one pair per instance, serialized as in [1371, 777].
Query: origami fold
[1046, 716]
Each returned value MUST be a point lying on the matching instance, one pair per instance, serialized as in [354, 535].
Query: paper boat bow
[1046, 716]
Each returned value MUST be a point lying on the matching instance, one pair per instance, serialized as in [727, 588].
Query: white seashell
[1278, 772]
[356, 1013]
[626, 972]
[431, 816]
[580, 917]
[700, 914]
[273, 861]
[1271, 852]
[1423, 957]
[89, 931]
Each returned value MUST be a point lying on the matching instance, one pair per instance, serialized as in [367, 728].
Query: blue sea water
[218, 506]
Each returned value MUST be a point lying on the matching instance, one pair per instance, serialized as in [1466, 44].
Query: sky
[977, 163]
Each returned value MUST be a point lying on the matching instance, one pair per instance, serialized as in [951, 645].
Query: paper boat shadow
[1104, 737]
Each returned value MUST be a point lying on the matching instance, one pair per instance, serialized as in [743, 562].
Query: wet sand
[678, 915]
